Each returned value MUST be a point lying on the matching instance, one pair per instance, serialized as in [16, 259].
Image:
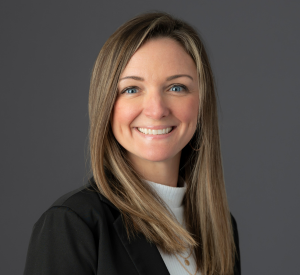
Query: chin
[156, 157]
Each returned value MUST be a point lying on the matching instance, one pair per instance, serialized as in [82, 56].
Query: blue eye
[130, 90]
[178, 88]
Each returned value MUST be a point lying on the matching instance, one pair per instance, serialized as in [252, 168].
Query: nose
[156, 106]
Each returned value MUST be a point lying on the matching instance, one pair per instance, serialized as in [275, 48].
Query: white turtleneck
[173, 197]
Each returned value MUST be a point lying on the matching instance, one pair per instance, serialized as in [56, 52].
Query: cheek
[122, 116]
[188, 110]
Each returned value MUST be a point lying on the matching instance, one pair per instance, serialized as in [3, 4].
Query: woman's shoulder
[81, 199]
[69, 229]
[85, 203]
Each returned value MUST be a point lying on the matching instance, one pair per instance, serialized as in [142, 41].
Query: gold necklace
[185, 267]
[186, 261]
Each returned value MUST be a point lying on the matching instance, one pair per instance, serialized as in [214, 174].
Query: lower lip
[162, 136]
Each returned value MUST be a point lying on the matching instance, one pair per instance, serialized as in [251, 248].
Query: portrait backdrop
[48, 49]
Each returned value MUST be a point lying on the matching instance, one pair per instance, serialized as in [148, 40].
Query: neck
[162, 172]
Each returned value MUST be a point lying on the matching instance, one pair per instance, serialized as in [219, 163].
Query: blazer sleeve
[237, 266]
[61, 243]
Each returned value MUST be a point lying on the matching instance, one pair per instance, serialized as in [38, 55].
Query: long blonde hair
[209, 230]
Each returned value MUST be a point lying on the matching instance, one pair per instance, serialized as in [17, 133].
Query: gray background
[47, 53]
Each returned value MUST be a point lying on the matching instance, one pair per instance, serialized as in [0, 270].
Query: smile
[156, 131]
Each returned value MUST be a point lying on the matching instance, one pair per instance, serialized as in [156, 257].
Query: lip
[157, 127]
[151, 137]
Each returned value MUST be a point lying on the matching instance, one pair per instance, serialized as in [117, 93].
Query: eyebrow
[168, 78]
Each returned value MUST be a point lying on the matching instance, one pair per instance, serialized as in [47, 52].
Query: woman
[156, 203]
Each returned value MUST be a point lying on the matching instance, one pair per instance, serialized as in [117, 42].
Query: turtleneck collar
[172, 196]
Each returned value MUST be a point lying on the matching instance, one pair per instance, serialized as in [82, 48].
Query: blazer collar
[143, 254]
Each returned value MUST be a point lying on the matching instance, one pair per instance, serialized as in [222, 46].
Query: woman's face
[157, 91]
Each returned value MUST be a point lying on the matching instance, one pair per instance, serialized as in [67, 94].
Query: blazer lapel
[144, 255]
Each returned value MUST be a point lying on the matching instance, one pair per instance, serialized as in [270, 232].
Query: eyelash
[185, 89]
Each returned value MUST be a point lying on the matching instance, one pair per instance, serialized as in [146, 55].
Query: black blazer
[82, 233]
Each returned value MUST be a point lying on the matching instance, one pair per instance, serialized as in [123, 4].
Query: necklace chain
[187, 256]
[185, 267]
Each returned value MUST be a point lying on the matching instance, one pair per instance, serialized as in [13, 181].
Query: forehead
[160, 56]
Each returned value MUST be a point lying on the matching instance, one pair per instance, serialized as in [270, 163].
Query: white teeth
[155, 132]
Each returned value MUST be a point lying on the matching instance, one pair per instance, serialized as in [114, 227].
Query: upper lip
[157, 127]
